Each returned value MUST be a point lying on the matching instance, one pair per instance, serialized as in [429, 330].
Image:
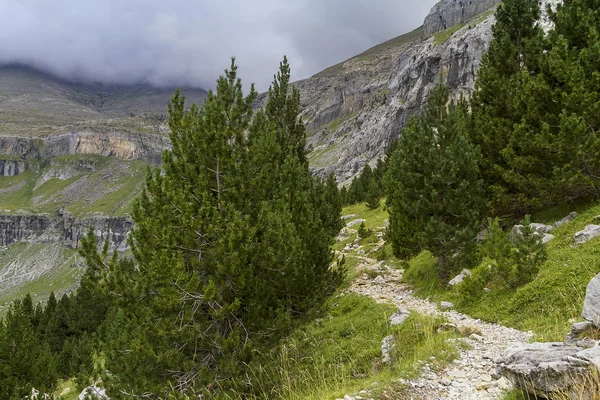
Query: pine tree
[514, 53]
[435, 194]
[231, 244]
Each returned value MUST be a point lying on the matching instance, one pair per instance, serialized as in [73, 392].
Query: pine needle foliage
[231, 246]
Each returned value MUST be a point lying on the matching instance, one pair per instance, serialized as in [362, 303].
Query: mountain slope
[355, 109]
[33, 102]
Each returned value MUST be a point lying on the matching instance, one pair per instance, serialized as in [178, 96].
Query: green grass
[92, 184]
[443, 36]
[549, 304]
[392, 44]
[340, 353]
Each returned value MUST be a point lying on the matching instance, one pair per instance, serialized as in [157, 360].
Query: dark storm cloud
[190, 41]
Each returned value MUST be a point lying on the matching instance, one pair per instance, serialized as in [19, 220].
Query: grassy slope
[550, 303]
[339, 353]
[88, 184]
[37, 269]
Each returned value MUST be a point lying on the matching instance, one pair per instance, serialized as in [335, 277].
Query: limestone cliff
[354, 110]
[63, 227]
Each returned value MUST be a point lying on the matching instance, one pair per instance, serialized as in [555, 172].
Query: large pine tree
[231, 244]
[435, 194]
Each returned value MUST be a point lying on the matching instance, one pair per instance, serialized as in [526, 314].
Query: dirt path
[471, 376]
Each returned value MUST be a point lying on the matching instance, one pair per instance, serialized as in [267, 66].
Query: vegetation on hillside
[232, 250]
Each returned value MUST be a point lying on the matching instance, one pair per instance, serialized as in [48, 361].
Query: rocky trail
[473, 374]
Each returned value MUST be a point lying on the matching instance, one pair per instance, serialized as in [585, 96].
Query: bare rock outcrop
[448, 13]
[546, 369]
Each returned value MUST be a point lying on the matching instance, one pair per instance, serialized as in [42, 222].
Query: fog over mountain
[186, 42]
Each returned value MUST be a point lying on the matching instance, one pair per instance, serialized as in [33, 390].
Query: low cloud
[185, 42]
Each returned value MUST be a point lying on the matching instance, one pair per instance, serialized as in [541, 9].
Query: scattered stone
[445, 305]
[399, 317]
[544, 369]
[349, 216]
[590, 232]
[93, 392]
[355, 222]
[386, 223]
[460, 277]
[387, 347]
[540, 229]
[379, 280]
[346, 233]
[476, 337]
[591, 303]
[547, 237]
[566, 219]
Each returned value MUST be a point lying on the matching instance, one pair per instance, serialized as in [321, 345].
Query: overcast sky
[189, 42]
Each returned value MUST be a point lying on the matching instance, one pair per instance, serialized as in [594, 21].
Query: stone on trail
[379, 280]
[444, 305]
[590, 232]
[460, 277]
[591, 303]
[399, 317]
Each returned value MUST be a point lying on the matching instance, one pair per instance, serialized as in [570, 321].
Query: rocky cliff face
[448, 13]
[122, 145]
[63, 228]
[354, 110]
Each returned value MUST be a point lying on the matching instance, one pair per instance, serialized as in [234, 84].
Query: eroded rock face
[11, 167]
[448, 13]
[123, 145]
[64, 228]
[354, 114]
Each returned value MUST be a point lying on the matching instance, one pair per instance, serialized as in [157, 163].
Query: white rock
[379, 280]
[460, 277]
[387, 346]
[590, 232]
[399, 317]
[547, 237]
[355, 222]
[93, 392]
[446, 305]
[591, 303]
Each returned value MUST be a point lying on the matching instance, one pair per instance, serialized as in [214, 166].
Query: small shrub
[363, 232]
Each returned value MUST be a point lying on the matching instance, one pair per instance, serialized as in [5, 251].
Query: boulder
[93, 393]
[387, 348]
[590, 232]
[355, 222]
[460, 277]
[379, 280]
[591, 303]
[399, 317]
[546, 369]
[540, 229]
[566, 219]
[547, 237]
[349, 216]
